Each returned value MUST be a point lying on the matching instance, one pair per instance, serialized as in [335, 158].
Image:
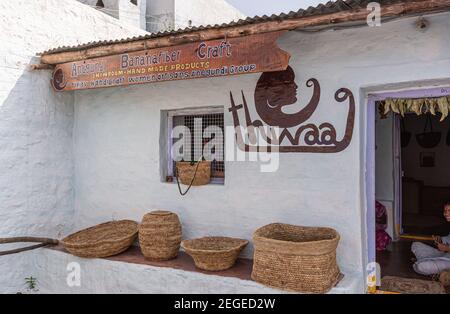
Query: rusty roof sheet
[321, 9]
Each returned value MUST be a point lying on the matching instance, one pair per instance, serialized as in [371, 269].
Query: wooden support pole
[23, 249]
[28, 239]
[101, 50]
[42, 243]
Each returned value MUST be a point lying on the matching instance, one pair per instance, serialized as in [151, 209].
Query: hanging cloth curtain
[418, 106]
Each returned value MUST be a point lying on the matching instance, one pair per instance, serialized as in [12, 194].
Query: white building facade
[75, 159]
[162, 15]
[36, 125]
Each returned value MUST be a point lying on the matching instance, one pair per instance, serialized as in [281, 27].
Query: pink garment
[382, 238]
[380, 216]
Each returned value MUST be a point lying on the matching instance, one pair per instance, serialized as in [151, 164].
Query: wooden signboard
[242, 55]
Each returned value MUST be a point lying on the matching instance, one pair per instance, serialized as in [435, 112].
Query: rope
[192, 181]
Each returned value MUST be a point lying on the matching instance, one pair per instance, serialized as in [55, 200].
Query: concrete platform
[131, 273]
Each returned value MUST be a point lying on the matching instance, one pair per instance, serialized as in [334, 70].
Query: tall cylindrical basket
[160, 235]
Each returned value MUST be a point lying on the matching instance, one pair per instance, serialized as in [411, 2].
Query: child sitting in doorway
[430, 260]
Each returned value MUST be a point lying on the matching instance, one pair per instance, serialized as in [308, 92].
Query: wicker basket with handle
[198, 173]
[214, 253]
[295, 258]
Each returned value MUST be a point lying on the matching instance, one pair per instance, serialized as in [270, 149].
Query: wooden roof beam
[399, 9]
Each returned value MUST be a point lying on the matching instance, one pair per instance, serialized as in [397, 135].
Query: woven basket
[214, 253]
[160, 235]
[294, 258]
[186, 172]
[444, 277]
[107, 239]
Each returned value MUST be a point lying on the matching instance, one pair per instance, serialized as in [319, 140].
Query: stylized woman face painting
[277, 89]
[280, 88]
[59, 81]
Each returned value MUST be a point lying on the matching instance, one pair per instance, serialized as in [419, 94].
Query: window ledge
[214, 182]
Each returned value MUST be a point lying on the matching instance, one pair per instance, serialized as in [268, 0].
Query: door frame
[371, 98]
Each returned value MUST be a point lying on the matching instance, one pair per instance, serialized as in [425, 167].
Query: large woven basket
[107, 239]
[214, 253]
[294, 258]
[186, 171]
[160, 235]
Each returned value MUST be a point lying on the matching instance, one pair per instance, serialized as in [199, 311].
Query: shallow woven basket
[107, 239]
[160, 235]
[186, 171]
[294, 258]
[214, 253]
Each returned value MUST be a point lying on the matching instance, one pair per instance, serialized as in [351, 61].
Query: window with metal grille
[197, 121]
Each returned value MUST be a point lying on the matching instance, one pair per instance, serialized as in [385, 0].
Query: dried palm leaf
[443, 107]
[432, 106]
[401, 104]
[387, 105]
[416, 106]
[409, 105]
[394, 106]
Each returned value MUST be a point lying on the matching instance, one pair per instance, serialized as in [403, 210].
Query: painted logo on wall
[273, 92]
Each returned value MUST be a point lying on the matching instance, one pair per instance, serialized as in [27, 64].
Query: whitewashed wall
[176, 14]
[133, 14]
[111, 7]
[36, 164]
[123, 10]
[160, 15]
[117, 133]
[204, 12]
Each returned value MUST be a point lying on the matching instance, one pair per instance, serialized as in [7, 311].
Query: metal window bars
[197, 124]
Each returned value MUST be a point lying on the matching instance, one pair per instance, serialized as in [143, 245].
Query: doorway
[425, 168]
[409, 178]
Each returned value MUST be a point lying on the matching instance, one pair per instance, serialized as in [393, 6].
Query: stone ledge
[131, 273]
[241, 270]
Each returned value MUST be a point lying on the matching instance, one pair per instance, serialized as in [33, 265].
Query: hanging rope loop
[192, 181]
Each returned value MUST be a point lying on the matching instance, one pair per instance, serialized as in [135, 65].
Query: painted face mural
[273, 92]
[59, 80]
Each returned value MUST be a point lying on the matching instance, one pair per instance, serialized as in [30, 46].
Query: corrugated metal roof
[321, 9]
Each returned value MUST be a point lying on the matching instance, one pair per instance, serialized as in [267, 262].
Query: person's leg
[423, 251]
[432, 266]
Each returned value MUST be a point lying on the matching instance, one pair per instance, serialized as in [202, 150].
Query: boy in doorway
[430, 260]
